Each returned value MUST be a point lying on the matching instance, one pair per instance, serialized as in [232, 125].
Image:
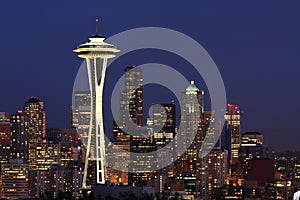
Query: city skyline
[156, 100]
[200, 159]
[199, 177]
[254, 46]
[171, 100]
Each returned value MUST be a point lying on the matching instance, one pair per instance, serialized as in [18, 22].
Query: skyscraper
[191, 132]
[233, 122]
[36, 127]
[96, 52]
[131, 98]
[162, 127]
[164, 123]
[129, 126]
[81, 112]
[192, 102]
[209, 129]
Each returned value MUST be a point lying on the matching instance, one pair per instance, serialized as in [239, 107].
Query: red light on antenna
[97, 20]
[236, 107]
[229, 105]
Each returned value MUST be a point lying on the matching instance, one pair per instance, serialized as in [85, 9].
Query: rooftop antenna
[97, 20]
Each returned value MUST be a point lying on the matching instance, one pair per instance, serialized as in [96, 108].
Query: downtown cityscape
[149, 100]
[39, 162]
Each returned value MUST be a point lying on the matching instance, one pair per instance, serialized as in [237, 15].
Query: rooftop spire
[192, 87]
[97, 20]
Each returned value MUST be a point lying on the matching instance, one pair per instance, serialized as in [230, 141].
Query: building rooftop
[192, 87]
[252, 133]
[33, 99]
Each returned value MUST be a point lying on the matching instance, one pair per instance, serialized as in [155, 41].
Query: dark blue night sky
[255, 44]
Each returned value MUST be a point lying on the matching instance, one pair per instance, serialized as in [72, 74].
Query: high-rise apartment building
[4, 137]
[19, 137]
[47, 156]
[215, 173]
[47, 153]
[15, 179]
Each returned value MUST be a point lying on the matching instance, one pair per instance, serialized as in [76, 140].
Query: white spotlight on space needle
[96, 52]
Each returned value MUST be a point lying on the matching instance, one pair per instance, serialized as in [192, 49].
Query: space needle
[96, 52]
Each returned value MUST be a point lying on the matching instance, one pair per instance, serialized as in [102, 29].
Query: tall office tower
[233, 123]
[36, 126]
[162, 126]
[4, 137]
[81, 112]
[125, 129]
[19, 136]
[15, 179]
[164, 123]
[131, 106]
[209, 129]
[192, 113]
[191, 121]
[96, 53]
[164, 129]
[131, 98]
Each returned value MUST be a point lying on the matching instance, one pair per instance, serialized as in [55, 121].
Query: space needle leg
[101, 167]
[91, 125]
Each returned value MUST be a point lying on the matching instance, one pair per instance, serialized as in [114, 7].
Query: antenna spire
[97, 20]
